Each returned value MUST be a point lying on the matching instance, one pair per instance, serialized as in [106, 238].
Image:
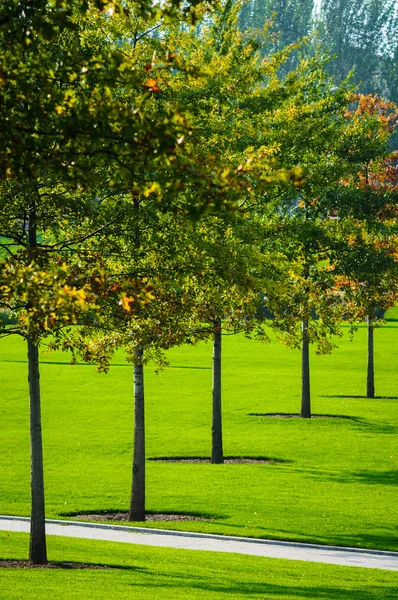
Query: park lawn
[337, 479]
[391, 314]
[146, 573]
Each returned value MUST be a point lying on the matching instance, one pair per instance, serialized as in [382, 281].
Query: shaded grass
[146, 573]
[337, 482]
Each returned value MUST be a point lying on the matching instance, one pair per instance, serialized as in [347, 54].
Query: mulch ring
[229, 460]
[25, 564]
[296, 416]
[124, 517]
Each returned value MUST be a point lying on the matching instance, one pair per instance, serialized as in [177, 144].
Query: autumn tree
[305, 129]
[48, 283]
[369, 196]
[159, 249]
[342, 226]
[157, 243]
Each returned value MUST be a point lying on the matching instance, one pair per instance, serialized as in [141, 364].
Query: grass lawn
[336, 484]
[159, 574]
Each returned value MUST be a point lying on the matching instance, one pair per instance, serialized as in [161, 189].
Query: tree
[308, 306]
[48, 283]
[306, 129]
[227, 298]
[369, 263]
[230, 112]
[23, 275]
[362, 35]
[370, 284]
[168, 263]
[40, 306]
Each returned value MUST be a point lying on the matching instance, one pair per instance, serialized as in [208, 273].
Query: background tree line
[361, 35]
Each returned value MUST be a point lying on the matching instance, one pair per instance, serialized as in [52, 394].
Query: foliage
[368, 263]
[340, 220]
[83, 102]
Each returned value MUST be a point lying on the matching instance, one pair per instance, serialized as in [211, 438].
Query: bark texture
[217, 456]
[370, 384]
[37, 544]
[305, 373]
[37, 549]
[137, 503]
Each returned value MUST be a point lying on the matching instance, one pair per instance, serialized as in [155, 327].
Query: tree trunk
[305, 370]
[137, 504]
[370, 387]
[37, 550]
[217, 456]
[37, 545]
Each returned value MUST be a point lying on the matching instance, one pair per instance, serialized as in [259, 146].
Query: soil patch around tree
[228, 460]
[297, 416]
[25, 564]
[123, 517]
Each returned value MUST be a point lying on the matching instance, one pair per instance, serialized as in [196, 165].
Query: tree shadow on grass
[17, 563]
[237, 588]
[370, 541]
[359, 397]
[367, 477]
[185, 367]
[375, 427]
[282, 415]
[227, 460]
[66, 363]
[360, 424]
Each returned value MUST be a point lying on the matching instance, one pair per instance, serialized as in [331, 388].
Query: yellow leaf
[155, 187]
[125, 302]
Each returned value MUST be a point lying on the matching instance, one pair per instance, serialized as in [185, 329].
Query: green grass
[391, 314]
[160, 574]
[337, 484]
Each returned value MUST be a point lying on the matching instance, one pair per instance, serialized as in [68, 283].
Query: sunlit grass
[146, 573]
[337, 479]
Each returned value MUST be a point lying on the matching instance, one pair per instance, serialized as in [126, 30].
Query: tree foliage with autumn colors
[315, 223]
[368, 265]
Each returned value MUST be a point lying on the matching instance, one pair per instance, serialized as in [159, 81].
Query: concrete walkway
[353, 557]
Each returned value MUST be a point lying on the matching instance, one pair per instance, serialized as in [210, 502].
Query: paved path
[374, 559]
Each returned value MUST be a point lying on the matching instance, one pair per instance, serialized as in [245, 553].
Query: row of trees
[163, 181]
